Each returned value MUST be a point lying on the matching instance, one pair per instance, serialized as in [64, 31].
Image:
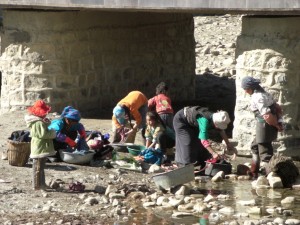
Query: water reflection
[268, 200]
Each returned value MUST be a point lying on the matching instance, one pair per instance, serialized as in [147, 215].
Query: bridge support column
[269, 49]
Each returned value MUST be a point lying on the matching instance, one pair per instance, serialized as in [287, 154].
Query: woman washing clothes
[134, 105]
[67, 129]
[191, 125]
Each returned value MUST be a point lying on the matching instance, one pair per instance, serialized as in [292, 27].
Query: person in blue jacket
[67, 128]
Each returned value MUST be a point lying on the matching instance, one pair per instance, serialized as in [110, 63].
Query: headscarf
[250, 82]
[221, 119]
[119, 113]
[71, 113]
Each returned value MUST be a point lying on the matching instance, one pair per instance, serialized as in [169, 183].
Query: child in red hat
[41, 140]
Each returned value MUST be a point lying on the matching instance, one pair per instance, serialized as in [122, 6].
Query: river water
[267, 199]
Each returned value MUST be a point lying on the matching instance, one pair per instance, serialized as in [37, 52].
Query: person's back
[161, 103]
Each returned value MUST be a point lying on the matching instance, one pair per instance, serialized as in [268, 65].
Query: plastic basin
[175, 177]
[135, 149]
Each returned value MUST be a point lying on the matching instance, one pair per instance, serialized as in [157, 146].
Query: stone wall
[269, 49]
[92, 59]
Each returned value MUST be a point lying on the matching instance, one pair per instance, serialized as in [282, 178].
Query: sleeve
[151, 103]
[41, 131]
[115, 122]
[137, 116]
[81, 130]
[261, 103]
[148, 134]
[203, 124]
[157, 131]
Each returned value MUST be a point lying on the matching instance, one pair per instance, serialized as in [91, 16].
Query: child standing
[41, 141]
[161, 103]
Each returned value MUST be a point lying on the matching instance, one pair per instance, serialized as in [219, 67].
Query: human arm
[57, 126]
[229, 146]
[81, 131]
[151, 104]
[149, 137]
[203, 124]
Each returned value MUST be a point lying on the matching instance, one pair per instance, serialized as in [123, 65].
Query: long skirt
[188, 147]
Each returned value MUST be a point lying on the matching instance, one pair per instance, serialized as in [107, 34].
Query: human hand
[215, 155]
[130, 131]
[232, 151]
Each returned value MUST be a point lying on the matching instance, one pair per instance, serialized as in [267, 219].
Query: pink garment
[161, 103]
[122, 132]
[205, 143]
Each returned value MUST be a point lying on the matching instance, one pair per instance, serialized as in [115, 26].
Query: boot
[254, 169]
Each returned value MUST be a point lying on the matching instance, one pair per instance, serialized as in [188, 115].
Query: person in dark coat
[268, 122]
[191, 125]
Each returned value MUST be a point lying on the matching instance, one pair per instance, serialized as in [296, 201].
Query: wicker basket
[18, 153]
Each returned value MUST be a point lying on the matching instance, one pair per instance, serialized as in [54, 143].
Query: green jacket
[41, 137]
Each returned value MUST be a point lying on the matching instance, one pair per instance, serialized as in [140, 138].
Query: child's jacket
[41, 137]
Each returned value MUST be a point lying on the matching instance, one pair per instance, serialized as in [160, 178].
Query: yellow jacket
[133, 101]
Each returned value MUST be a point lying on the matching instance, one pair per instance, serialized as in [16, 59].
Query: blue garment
[70, 113]
[59, 126]
[250, 82]
[151, 155]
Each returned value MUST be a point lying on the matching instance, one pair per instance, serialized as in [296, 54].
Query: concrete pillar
[269, 49]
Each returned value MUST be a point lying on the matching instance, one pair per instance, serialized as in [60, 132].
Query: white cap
[221, 119]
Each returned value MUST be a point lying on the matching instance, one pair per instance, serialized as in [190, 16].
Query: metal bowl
[74, 158]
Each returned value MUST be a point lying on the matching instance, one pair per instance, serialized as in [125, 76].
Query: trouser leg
[143, 135]
[255, 163]
[265, 151]
[42, 172]
[36, 174]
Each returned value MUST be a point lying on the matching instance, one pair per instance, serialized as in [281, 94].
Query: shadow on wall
[214, 92]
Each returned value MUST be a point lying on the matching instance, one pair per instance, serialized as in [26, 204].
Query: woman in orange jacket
[134, 105]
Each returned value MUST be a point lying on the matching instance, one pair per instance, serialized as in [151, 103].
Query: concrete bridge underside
[270, 7]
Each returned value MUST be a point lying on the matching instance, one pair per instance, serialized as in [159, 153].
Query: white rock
[208, 198]
[181, 214]
[227, 210]
[183, 190]
[149, 204]
[254, 210]
[155, 169]
[161, 199]
[288, 200]
[292, 221]
[274, 181]
[247, 202]
[279, 221]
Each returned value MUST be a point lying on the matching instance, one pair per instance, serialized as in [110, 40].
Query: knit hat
[250, 82]
[221, 119]
[39, 108]
[71, 113]
[119, 113]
